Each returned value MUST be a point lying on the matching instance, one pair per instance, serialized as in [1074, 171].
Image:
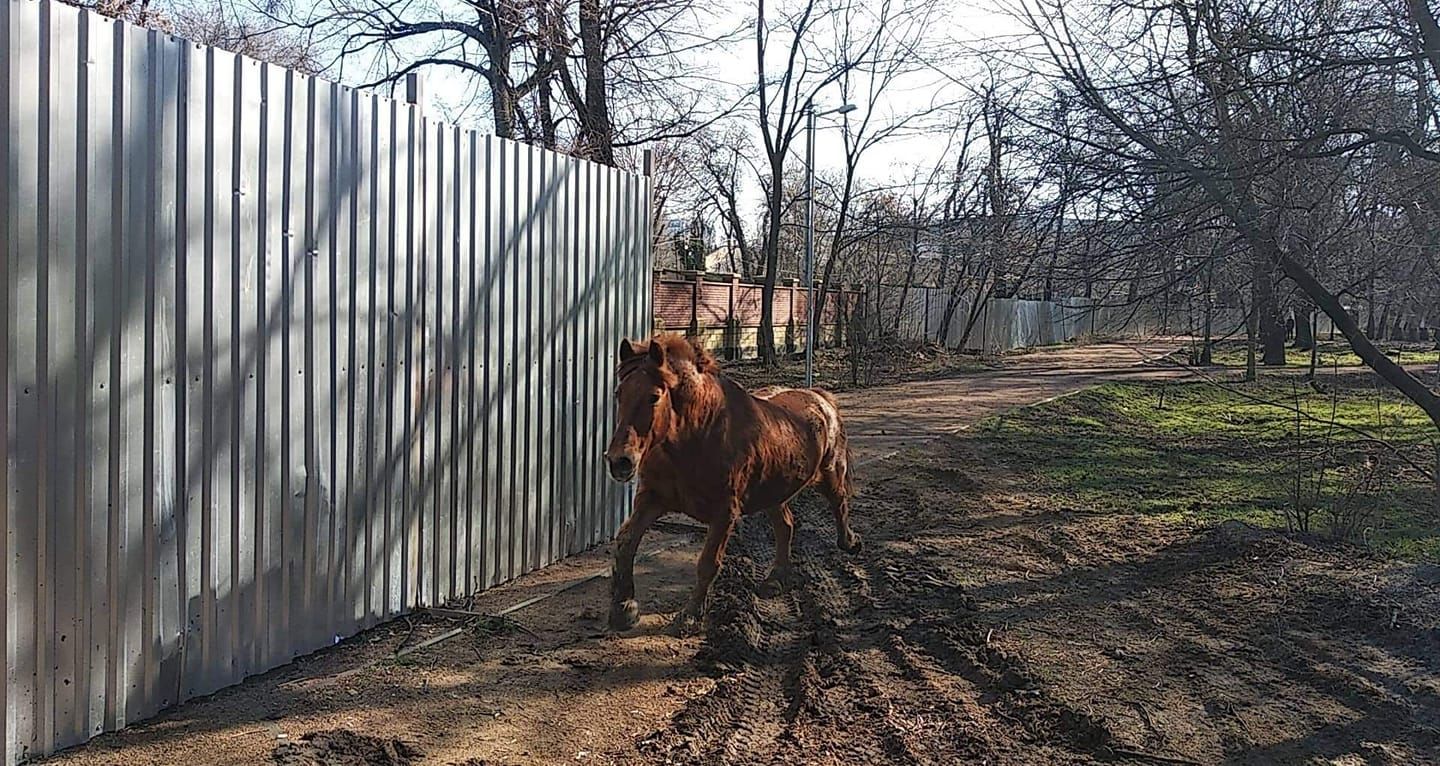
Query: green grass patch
[1201, 453]
[1330, 354]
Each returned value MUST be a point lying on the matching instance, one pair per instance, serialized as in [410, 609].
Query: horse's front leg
[624, 610]
[722, 525]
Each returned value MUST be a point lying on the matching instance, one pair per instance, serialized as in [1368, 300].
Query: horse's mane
[689, 369]
[688, 350]
[684, 358]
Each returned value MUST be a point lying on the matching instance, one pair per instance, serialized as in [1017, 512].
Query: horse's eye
[655, 398]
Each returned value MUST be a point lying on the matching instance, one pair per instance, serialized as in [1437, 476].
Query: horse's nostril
[621, 465]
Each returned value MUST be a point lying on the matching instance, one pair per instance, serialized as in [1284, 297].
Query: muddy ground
[983, 623]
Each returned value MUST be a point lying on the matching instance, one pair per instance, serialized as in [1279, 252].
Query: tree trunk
[825, 275]
[766, 340]
[544, 87]
[1370, 306]
[982, 297]
[952, 302]
[1206, 350]
[502, 96]
[1252, 322]
[544, 113]
[595, 126]
[909, 277]
[1304, 326]
[1314, 347]
[1271, 331]
[846, 194]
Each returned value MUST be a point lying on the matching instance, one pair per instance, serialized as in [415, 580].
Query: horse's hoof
[624, 615]
[684, 624]
[770, 587]
[853, 545]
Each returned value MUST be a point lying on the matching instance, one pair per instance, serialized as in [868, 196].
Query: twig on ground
[474, 617]
[409, 630]
[1153, 756]
[598, 574]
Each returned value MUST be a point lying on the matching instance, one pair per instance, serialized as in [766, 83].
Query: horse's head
[650, 373]
[642, 404]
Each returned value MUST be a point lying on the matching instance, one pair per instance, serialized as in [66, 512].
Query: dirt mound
[341, 747]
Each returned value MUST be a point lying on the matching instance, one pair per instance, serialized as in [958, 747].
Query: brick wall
[723, 310]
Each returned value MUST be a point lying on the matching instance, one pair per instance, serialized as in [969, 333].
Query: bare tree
[1247, 107]
[220, 24]
[230, 28]
[482, 38]
[903, 48]
[144, 13]
[719, 172]
[786, 86]
[590, 76]
[642, 73]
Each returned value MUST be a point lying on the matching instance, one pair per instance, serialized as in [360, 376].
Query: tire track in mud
[864, 659]
[750, 645]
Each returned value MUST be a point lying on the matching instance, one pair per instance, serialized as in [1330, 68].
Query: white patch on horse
[831, 418]
[768, 392]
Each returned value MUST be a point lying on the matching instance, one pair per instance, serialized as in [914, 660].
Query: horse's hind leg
[784, 523]
[836, 487]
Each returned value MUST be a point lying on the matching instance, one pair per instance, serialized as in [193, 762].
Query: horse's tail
[843, 457]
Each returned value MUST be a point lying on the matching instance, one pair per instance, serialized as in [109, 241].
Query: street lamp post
[810, 116]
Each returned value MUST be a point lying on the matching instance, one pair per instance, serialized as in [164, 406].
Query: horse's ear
[704, 360]
[657, 352]
[627, 350]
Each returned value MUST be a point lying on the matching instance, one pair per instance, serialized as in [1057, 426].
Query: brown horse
[702, 446]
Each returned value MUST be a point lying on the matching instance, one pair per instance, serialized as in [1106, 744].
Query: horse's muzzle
[622, 468]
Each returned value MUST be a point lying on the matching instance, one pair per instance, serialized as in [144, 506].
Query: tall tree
[1255, 101]
[794, 64]
[903, 49]
[591, 76]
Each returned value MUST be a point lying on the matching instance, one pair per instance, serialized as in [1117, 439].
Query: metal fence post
[415, 91]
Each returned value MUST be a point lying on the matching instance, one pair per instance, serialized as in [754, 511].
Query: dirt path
[870, 659]
[885, 419]
[552, 686]
[986, 624]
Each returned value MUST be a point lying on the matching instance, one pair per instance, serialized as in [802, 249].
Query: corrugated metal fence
[282, 360]
[1003, 324]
